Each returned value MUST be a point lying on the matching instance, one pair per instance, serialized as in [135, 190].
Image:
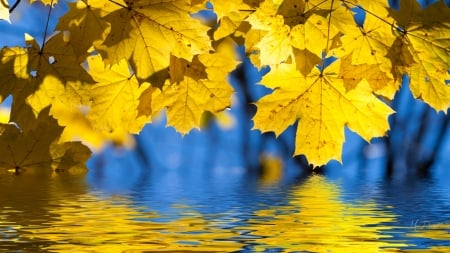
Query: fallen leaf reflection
[92, 224]
[316, 220]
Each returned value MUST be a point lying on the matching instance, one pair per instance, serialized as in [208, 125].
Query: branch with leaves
[112, 65]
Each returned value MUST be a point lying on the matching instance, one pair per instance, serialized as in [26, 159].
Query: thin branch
[247, 10]
[316, 6]
[14, 6]
[119, 4]
[46, 26]
[371, 13]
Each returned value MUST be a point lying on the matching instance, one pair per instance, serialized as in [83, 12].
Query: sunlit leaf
[13, 70]
[430, 49]
[323, 107]
[230, 15]
[79, 128]
[196, 87]
[148, 32]
[424, 47]
[114, 98]
[53, 66]
[380, 82]
[369, 44]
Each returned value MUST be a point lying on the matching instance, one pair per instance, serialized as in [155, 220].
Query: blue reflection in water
[418, 202]
[215, 190]
[231, 196]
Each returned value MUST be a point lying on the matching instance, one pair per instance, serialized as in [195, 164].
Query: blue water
[120, 206]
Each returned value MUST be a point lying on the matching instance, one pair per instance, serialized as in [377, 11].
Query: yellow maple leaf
[252, 37]
[13, 70]
[195, 87]
[422, 50]
[148, 32]
[114, 98]
[225, 8]
[275, 47]
[78, 128]
[67, 107]
[323, 107]
[288, 25]
[262, 37]
[14, 80]
[305, 60]
[341, 15]
[230, 15]
[430, 49]
[19, 58]
[315, 35]
[411, 12]
[380, 8]
[53, 66]
[85, 26]
[4, 10]
[52, 90]
[39, 147]
[69, 156]
[228, 25]
[57, 57]
[370, 43]
[380, 82]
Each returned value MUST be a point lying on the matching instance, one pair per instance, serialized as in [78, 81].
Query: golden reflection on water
[92, 224]
[55, 213]
[316, 220]
[439, 232]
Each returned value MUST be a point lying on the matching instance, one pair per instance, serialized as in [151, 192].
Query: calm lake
[122, 209]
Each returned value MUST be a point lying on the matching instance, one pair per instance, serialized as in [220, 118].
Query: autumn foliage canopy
[112, 65]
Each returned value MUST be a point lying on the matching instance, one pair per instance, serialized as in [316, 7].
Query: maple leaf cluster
[111, 65]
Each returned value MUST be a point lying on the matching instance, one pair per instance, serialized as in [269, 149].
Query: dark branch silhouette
[12, 7]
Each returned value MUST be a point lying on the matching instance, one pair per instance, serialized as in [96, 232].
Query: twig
[14, 6]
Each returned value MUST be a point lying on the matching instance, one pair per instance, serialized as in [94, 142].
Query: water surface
[221, 211]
